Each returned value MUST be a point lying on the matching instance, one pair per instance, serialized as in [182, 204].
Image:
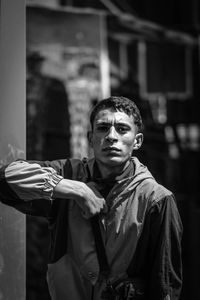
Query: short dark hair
[118, 103]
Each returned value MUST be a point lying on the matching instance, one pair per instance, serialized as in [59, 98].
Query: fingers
[91, 210]
[89, 214]
[91, 202]
[97, 207]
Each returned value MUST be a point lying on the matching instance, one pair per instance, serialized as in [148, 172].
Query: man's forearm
[22, 180]
[30, 181]
[87, 197]
[67, 188]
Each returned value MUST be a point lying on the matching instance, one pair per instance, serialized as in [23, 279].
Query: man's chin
[113, 161]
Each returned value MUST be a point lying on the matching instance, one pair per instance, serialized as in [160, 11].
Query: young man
[138, 218]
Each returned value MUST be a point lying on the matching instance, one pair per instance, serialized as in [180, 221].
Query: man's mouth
[111, 149]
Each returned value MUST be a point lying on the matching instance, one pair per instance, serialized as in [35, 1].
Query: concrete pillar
[12, 143]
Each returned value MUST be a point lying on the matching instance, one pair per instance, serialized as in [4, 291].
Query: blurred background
[79, 52]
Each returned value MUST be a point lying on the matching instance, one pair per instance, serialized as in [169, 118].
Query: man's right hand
[87, 197]
[92, 202]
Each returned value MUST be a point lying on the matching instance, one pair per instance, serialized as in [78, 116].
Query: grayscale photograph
[99, 150]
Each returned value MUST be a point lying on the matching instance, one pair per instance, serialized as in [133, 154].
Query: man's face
[114, 137]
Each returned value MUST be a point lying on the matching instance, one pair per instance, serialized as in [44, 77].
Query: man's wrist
[67, 188]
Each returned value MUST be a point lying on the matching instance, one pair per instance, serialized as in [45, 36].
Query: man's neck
[108, 172]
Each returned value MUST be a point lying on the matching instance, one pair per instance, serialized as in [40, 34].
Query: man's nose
[112, 134]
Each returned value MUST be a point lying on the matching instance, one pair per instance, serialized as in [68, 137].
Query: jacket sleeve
[165, 250]
[158, 254]
[26, 185]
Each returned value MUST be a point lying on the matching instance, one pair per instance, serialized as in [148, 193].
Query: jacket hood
[141, 172]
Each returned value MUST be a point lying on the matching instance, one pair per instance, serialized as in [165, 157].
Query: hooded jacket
[141, 231]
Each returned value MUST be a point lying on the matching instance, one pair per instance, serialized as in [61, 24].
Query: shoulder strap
[100, 249]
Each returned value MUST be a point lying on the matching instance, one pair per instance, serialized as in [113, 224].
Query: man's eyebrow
[116, 123]
[123, 124]
[102, 122]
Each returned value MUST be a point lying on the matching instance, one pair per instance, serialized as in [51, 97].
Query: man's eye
[102, 128]
[122, 129]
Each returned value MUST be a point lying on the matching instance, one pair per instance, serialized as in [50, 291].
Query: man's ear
[89, 137]
[138, 141]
